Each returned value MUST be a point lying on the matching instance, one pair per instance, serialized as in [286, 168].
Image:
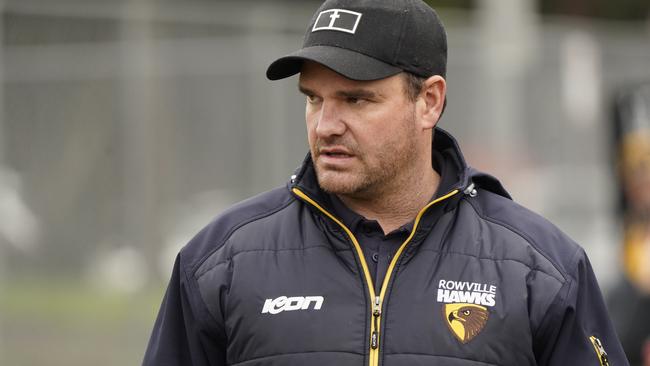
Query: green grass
[59, 322]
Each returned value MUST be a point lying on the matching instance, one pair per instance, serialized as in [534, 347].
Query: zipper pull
[376, 312]
[373, 340]
[471, 190]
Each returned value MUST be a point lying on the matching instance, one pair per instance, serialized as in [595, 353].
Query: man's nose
[330, 120]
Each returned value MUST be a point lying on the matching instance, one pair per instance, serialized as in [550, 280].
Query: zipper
[376, 313]
[378, 300]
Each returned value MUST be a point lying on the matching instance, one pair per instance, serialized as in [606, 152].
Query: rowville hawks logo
[465, 309]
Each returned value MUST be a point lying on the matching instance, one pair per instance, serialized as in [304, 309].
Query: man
[384, 248]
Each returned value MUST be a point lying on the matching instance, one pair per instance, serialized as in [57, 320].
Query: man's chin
[337, 182]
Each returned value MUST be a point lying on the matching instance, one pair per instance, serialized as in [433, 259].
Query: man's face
[361, 133]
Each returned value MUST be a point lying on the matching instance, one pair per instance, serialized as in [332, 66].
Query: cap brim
[351, 64]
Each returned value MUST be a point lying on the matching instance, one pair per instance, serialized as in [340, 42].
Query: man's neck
[393, 208]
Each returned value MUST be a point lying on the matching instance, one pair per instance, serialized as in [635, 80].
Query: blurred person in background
[630, 301]
[385, 247]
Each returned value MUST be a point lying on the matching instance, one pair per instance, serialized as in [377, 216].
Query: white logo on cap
[339, 20]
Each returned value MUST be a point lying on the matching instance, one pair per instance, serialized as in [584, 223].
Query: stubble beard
[385, 172]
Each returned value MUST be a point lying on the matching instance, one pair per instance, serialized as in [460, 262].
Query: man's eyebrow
[305, 90]
[357, 93]
[353, 93]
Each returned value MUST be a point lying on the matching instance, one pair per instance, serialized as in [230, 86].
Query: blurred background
[125, 127]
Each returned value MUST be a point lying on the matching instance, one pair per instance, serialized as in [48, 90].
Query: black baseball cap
[371, 40]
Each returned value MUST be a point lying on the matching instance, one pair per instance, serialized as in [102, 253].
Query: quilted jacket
[279, 280]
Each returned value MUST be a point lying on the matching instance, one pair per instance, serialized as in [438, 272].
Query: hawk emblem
[465, 321]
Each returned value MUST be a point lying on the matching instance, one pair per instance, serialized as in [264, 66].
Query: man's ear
[431, 100]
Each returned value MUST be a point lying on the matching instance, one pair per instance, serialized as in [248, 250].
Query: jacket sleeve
[577, 327]
[185, 333]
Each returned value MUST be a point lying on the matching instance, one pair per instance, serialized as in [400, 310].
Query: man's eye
[354, 100]
[312, 99]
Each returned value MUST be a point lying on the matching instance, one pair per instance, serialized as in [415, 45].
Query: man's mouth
[336, 155]
[336, 152]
